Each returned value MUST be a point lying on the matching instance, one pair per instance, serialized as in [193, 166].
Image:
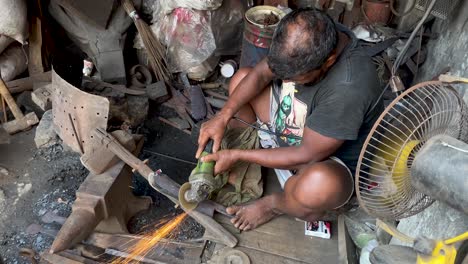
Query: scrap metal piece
[396, 84]
[76, 135]
[140, 76]
[88, 111]
[104, 203]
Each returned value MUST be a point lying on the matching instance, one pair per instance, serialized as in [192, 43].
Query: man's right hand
[212, 129]
[249, 87]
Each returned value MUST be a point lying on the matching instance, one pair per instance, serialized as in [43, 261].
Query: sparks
[139, 250]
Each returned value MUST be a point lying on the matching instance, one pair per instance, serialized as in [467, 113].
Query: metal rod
[170, 157]
[5, 117]
[76, 134]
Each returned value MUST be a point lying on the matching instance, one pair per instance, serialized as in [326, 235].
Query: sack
[166, 7]
[227, 25]
[187, 34]
[13, 20]
[13, 62]
[5, 42]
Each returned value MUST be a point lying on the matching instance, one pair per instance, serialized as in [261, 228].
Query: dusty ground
[34, 182]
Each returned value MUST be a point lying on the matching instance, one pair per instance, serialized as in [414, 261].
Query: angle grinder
[201, 184]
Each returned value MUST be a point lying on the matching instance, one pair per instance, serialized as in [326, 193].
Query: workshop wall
[449, 49]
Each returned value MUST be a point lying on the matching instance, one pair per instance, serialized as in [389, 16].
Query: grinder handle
[209, 147]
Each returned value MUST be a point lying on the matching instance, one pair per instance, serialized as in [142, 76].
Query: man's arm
[314, 147]
[255, 82]
[250, 86]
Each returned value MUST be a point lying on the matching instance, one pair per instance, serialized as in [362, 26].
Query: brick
[42, 97]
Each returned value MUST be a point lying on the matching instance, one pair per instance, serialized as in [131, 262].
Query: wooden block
[346, 247]
[284, 237]
[22, 124]
[27, 83]
[42, 97]
[35, 48]
[156, 91]
[4, 136]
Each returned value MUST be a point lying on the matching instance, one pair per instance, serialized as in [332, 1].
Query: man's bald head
[303, 41]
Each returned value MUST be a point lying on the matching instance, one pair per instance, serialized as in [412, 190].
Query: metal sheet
[88, 112]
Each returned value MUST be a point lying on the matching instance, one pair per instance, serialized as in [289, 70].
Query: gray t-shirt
[340, 105]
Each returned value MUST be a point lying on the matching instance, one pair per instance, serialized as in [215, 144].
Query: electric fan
[384, 183]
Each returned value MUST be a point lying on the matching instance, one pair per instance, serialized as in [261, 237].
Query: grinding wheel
[232, 256]
[183, 201]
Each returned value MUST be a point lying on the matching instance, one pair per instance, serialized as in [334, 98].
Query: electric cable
[404, 13]
[266, 130]
[402, 53]
[400, 56]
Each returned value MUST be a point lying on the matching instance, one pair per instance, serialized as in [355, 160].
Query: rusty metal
[76, 135]
[104, 203]
[89, 112]
[140, 76]
[377, 11]
[95, 84]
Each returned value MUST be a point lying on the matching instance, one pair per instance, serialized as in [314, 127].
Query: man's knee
[318, 187]
[237, 78]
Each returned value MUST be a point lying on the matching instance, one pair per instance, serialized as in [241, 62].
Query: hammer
[21, 122]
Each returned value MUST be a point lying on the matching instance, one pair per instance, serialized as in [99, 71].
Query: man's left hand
[224, 159]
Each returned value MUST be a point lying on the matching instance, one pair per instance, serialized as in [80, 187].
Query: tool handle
[10, 101]
[209, 147]
[452, 79]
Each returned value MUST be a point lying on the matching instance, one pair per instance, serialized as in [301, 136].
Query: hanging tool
[21, 122]
[202, 182]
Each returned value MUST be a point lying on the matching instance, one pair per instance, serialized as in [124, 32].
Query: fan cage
[442, 8]
[383, 173]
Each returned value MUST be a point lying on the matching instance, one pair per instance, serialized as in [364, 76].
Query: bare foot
[249, 216]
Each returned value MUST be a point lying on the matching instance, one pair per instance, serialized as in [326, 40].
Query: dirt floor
[36, 182]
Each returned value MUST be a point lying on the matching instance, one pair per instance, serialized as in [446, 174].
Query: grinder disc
[183, 202]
